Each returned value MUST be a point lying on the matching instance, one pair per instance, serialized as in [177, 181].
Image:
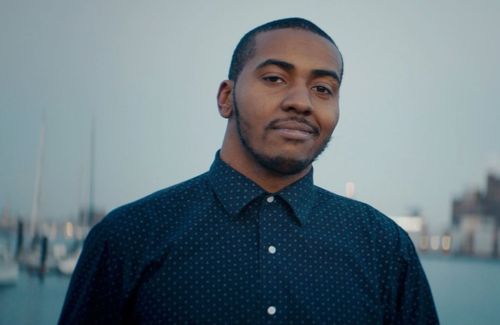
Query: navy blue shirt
[218, 249]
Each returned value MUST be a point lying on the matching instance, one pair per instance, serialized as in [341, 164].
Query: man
[253, 240]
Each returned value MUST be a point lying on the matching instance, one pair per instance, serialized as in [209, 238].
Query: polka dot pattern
[218, 249]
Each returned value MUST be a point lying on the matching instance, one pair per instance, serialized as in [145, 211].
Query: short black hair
[246, 46]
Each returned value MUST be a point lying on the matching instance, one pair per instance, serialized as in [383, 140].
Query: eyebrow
[326, 73]
[287, 66]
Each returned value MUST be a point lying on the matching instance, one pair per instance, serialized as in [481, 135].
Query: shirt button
[271, 310]
[270, 199]
[271, 249]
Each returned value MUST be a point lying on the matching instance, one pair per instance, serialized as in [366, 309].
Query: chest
[261, 269]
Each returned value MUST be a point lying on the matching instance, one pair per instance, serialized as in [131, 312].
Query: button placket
[271, 217]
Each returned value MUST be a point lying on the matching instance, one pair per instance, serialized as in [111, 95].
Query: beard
[279, 165]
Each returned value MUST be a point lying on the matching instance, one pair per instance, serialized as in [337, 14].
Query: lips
[294, 129]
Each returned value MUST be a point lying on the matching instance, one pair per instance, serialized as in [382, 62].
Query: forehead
[297, 46]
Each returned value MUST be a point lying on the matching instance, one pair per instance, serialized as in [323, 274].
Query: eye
[323, 90]
[274, 79]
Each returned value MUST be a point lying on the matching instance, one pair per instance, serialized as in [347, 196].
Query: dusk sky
[420, 107]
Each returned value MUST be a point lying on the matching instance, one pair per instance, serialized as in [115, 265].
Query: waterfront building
[414, 224]
[476, 220]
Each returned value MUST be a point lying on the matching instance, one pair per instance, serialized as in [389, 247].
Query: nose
[298, 99]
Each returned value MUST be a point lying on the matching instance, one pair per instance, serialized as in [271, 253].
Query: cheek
[328, 120]
[254, 112]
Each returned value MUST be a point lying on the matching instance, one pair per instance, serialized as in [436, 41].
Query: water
[466, 291]
[33, 300]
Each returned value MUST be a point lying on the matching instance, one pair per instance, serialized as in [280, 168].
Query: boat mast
[35, 209]
[91, 213]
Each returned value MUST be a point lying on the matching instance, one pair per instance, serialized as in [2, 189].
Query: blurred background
[104, 102]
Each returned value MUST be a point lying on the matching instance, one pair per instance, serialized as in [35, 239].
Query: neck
[245, 163]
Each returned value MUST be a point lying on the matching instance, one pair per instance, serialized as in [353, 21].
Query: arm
[412, 301]
[95, 294]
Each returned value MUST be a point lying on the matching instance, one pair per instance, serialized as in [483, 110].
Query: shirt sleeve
[95, 294]
[412, 298]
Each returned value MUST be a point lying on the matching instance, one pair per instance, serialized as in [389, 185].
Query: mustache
[275, 123]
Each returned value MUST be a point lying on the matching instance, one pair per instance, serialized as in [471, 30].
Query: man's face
[286, 99]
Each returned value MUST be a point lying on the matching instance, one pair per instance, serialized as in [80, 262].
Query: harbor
[46, 246]
[54, 248]
[465, 289]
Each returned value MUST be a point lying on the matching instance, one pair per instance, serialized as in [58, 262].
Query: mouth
[294, 129]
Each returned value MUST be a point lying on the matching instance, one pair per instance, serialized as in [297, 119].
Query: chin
[283, 165]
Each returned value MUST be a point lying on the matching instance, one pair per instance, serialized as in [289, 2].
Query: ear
[225, 98]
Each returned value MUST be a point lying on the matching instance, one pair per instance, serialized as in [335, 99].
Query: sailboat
[37, 257]
[9, 269]
[67, 265]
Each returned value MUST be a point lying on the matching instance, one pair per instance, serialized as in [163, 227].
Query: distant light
[435, 242]
[69, 230]
[350, 189]
[446, 243]
[424, 242]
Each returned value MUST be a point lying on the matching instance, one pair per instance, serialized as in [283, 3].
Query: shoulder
[158, 203]
[137, 235]
[357, 210]
[152, 220]
[360, 219]
[362, 228]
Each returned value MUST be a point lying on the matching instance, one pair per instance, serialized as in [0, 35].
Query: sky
[419, 105]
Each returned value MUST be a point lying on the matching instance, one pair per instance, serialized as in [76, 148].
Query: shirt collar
[301, 196]
[235, 190]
